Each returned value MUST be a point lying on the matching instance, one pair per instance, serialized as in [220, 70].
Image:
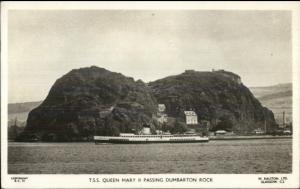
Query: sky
[43, 45]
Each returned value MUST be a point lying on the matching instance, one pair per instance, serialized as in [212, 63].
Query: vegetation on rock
[94, 101]
[91, 101]
[215, 97]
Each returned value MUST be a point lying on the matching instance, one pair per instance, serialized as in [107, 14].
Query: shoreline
[210, 138]
[249, 137]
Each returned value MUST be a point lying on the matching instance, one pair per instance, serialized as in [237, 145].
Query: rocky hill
[277, 98]
[218, 97]
[90, 101]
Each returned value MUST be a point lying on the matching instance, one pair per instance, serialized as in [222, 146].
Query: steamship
[130, 138]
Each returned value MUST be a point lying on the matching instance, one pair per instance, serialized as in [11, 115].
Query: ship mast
[283, 119]
[265, 126]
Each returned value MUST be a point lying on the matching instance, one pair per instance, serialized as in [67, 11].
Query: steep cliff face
[218, 97]
[90, 101]
[84, 101]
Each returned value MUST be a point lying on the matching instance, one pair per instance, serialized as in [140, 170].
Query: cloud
[147, 45]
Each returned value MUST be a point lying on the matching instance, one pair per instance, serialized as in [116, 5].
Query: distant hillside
[17, 116]
[269, 90]
[22, 107]
[20, 111]
[278, 98]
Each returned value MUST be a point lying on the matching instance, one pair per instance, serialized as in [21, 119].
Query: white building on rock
[191, 117]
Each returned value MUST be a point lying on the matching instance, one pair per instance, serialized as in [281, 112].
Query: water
[244, 156]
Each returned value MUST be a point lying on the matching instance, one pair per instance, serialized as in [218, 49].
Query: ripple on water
[253, 156]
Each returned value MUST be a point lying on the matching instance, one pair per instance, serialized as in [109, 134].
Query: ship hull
[145, 140]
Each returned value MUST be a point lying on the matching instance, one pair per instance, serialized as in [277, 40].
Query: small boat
[130, 138]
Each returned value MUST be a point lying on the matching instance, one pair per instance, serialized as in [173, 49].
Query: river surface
[238, 156]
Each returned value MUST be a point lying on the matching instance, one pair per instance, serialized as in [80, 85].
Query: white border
[220, 180]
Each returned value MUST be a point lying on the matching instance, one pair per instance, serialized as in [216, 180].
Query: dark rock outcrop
[218, 97]
[91, 101]
[94, 101]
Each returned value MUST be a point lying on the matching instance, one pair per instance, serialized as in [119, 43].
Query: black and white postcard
[150, 94]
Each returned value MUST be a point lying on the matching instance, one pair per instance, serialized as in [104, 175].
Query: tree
[225, 124]
[179, 127]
